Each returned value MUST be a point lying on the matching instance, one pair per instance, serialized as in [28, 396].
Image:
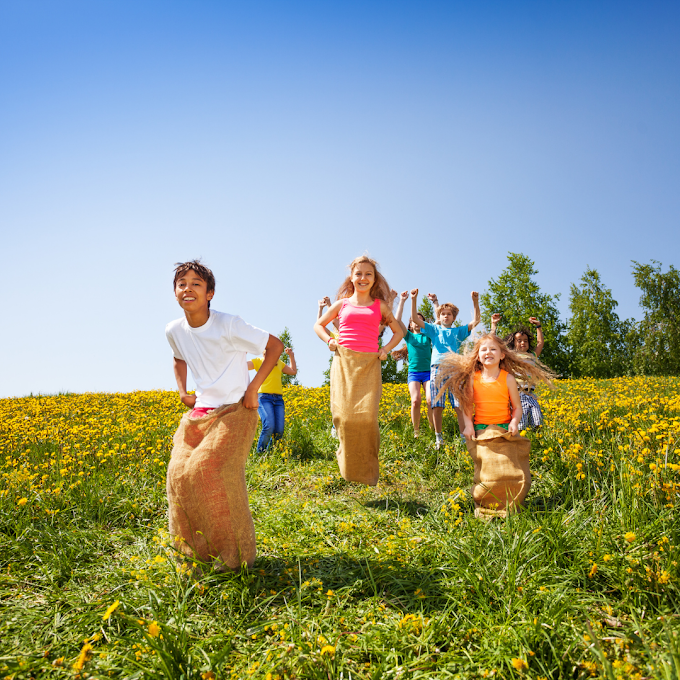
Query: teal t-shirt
[419, 352]
[444, 339]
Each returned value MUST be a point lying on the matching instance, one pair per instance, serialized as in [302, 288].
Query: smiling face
[521, 342]
[363, 277]
[490, 353]
[191, 291]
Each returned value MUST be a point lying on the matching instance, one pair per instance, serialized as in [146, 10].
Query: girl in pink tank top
[356, 383]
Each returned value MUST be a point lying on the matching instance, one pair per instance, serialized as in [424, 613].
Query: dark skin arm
[179, 367]
[274, 349]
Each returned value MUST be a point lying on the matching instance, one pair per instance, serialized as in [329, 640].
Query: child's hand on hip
[382, 354]
[250, 399]
[189, 400]
[332, 344]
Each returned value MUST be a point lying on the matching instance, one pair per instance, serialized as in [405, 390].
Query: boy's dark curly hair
[510, 339]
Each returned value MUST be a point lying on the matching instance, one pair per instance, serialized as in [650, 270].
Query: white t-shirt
[216, 355]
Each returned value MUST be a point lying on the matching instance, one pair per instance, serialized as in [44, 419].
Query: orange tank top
[492, 400]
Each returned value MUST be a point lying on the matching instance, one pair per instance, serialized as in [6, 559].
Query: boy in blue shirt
[445, 338]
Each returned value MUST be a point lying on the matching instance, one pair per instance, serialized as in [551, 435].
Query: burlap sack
[502, 477]
[207, 496]
[356, 387]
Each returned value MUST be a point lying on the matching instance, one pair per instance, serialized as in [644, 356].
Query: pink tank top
[359, 326]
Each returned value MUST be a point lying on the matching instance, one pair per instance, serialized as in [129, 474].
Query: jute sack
[356, 387]
[502, 477]
[207, 496]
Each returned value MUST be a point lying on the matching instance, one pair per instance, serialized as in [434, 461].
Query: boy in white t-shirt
[213, 345]
[209, 514]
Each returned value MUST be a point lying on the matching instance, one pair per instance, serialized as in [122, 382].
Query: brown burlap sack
[207, 496]
[356, 387]
[502, 477]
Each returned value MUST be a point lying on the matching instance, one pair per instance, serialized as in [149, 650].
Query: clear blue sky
[278, 141]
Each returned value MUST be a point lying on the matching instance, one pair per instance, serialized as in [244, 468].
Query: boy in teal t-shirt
[445, 338]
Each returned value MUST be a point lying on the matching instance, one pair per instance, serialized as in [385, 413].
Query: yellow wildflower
[630, 536]
[154, 629]
[518, 664]
[112, 608]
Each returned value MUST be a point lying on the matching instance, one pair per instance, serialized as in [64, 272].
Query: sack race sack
[356, 388]
[206, 486]
[502, 477]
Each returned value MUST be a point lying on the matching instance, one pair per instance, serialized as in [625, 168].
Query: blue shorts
[419, 376]
[434, 390]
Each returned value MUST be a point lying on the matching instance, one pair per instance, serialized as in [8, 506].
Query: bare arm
[414, 309]
[477, 317]
[251, 366]
[495, 318]
[179, 367]
[432, 297]
[540, 342]
[292, 369]
[321, 323]
[400, 311]
[468, 427]
[274, 349]
[397, 333]
[516, 404]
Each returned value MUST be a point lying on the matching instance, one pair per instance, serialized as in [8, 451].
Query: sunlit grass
[395, 581]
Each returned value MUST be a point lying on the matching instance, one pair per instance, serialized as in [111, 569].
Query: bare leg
[414, 391]
[426, 387]
[438, 417]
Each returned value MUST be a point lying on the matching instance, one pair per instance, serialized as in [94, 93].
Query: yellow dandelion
[111, 608]
[154, 629]
[630, 536]
[328, 649]
[518, 664]
[22, 501]
[83, 657]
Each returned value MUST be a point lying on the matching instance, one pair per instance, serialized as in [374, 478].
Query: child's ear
[210, 295]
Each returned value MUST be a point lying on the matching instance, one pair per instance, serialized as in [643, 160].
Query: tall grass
[397, 581]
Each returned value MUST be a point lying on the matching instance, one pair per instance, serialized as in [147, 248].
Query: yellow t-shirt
[272, 383]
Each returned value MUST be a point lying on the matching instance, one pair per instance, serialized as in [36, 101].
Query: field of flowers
[396, 581]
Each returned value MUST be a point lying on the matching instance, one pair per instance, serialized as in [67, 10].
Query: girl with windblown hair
[483, 381]
[361, 308]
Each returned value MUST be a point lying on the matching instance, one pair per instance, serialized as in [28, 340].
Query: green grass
[396, 581]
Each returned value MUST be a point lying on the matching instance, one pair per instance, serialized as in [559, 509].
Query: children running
[445, 338]
[483, 381]
[271, 409]
[419, 348]
[356, 383]
[207, 496]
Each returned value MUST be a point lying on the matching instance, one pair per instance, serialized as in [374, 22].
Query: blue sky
[278, 141]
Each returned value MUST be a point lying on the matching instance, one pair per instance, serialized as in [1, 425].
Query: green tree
[657, 336]
[596, 335]
[287, 342]
[516, 296]
[426, 309]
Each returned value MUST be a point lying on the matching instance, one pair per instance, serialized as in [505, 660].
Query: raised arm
[179, 367]
[477, 316]
[274, 349]
[397, 333]
[432, 297]
[414, 309]
[320, 326]
[400, 311]
[539, 334]
[292, 369]
[495, 320]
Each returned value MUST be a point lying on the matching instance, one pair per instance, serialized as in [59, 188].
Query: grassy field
[397, 581]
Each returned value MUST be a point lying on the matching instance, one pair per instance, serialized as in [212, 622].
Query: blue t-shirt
[444, 339]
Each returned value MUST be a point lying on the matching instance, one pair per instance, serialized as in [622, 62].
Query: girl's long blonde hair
[380, 289]
[456, 372]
